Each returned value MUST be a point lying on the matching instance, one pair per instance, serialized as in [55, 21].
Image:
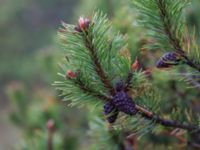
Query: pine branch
[94, 47]
[141, 110]
[192, 64]
[173, 40]
[88, 90]
[163, 17]
[164, 21]
[49, 142]
[168, 25]
[98, 68]
[50, 127]
[165, 122]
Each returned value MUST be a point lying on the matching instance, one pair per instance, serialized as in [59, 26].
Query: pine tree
[99, 72]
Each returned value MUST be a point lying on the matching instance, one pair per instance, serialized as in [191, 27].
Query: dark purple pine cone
[124, 103]
[171, 56]
[111, 112]
[161, 64]
[168, 59]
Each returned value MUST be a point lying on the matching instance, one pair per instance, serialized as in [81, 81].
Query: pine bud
[111, 112]
[50, 125]
[83, 24]
[135, 65]
[70, 74]
[168, 59]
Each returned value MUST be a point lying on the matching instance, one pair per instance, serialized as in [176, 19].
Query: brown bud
[70, 74]
[135, 65]
[83, 24]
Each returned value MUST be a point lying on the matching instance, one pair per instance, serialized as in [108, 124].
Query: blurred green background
[29, 54]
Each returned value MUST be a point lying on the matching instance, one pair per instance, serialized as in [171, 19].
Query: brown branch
[88, 90]
[191, 64]
[165, 122]
[51, 128]
[49, 141]
[98, 68]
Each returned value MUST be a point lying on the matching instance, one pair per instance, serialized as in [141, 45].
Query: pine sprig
[88, 79]
[165, 24]
[168, 27]
[164, 20]
[98, 67]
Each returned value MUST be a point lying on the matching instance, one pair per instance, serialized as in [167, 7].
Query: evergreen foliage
[98, 59]
[166, 25]
[164, 20]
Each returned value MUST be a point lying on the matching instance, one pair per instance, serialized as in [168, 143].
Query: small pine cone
[111, 112]
[162, 64]
[168, 59]
[172, 56]
[124, 103]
